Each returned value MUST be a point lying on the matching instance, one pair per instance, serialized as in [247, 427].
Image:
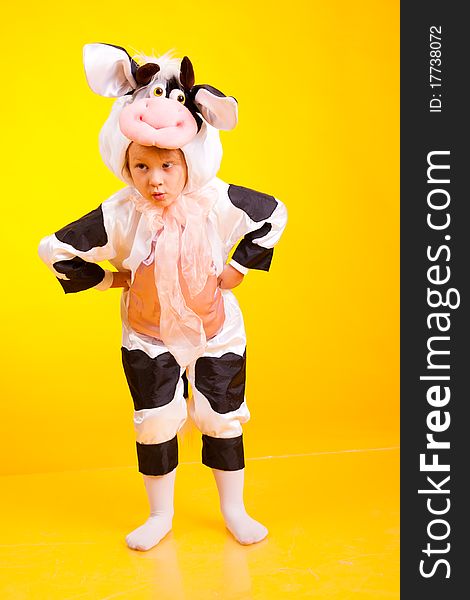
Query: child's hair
[125, 169]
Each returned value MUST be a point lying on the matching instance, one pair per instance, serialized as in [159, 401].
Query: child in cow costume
[169, 234]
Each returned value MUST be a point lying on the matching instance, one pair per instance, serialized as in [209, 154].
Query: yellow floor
[333, 521]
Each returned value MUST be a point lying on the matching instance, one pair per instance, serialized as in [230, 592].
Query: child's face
[158, 174]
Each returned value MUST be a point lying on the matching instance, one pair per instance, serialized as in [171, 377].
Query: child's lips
[158, 196]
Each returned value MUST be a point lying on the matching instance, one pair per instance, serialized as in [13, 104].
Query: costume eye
[158, 91]
[178, 95]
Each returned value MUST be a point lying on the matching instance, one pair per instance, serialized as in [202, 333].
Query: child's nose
[156, 177]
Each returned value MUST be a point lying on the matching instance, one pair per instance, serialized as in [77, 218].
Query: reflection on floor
[333, 521]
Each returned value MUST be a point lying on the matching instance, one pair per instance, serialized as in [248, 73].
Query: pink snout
[160, 122]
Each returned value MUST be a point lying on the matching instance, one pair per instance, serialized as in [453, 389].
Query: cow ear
[218, 110]
[109, 70]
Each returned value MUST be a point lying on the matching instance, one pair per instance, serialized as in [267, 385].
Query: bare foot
[150, 533]
[243, 528]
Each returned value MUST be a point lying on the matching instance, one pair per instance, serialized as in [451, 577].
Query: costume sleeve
[256, 219]
[71, 253]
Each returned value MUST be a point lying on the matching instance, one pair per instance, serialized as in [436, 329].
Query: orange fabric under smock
[144, 306]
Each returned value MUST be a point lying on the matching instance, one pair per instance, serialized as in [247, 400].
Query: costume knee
[218, 408]
[157, 390]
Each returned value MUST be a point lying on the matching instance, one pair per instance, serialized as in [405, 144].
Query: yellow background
[317, 86]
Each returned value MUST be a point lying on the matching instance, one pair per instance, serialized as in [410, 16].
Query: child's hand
[121, 279]
[229, 278]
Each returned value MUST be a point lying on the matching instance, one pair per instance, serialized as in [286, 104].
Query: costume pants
[218, 406]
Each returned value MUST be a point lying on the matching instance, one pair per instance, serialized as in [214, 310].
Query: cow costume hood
[146, 92]
[203, 154]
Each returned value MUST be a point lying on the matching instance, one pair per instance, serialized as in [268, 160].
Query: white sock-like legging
[160, 492]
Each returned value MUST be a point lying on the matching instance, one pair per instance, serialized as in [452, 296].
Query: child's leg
[160, 492]
[160, 410]
[218, 408]
[245, 529]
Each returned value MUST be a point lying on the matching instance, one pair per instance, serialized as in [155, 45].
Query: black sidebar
[435, 310]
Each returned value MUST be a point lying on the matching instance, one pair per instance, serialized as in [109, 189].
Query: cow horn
[186, 73]
[145, 73]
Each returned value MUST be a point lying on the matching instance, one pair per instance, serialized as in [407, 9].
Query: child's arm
[259, 219]
[121, 279]
[72, 252]
[229, 278]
